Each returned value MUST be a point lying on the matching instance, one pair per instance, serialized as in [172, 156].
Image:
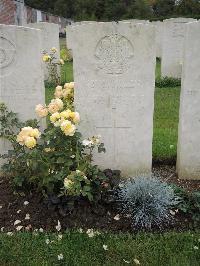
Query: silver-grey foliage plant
[148, 201]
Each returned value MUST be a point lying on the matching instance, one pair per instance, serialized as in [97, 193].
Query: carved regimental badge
[114, 53]
[7, 53]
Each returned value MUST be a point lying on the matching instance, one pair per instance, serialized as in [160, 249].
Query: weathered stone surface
[188, 161]
[114, 66]
[21, 75]
[136, 20]
[159, 35]
[50, 38]
[172, 46]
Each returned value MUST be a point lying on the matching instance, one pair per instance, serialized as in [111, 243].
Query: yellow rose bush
[56, 160]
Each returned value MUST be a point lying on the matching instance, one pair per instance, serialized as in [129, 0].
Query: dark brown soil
[168, 174]
[12, 208]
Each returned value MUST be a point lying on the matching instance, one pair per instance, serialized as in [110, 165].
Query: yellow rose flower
[71, 85]
[55, 105]
[35, 133]
[46, 57]
[59, 102]
[30, 142]
[67, 92]
[21, 138]
[68, 128]
[96, 140]
[26, 131]
[26, 136]
[54, 117]
[61, 61]
[66, 86]
[65, 114]
[54, 50]
[68, 183]
[41, 110]
[58, 92]
[75, 117]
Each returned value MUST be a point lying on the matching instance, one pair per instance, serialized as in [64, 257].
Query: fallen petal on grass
[105, 247]
[60, 257]
[126, 261]
[18, 228]
[136, 261]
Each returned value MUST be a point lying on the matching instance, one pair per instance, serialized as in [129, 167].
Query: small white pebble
[18, 211]
[17, 222]
[26, 202]
[2, 229]
[41, 230]
[1, 206]
[60, 257]
[105, 247]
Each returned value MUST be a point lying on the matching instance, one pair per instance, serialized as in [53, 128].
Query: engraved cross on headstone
[114, 128]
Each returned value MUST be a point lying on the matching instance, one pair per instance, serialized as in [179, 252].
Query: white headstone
[159, 35]
[114, 71]
[50, 38]
[188, 161]
[172, 46]
[21, 75]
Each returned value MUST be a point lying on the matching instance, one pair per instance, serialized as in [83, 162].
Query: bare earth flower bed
[31, 206]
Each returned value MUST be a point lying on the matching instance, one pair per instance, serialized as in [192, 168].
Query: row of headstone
[114, 71]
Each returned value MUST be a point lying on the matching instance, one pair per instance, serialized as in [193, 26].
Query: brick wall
[7, 12]
[15, 12]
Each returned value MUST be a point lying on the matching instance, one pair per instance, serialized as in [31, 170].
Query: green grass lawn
[158, 68]
[165, 116]
[170, 249]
